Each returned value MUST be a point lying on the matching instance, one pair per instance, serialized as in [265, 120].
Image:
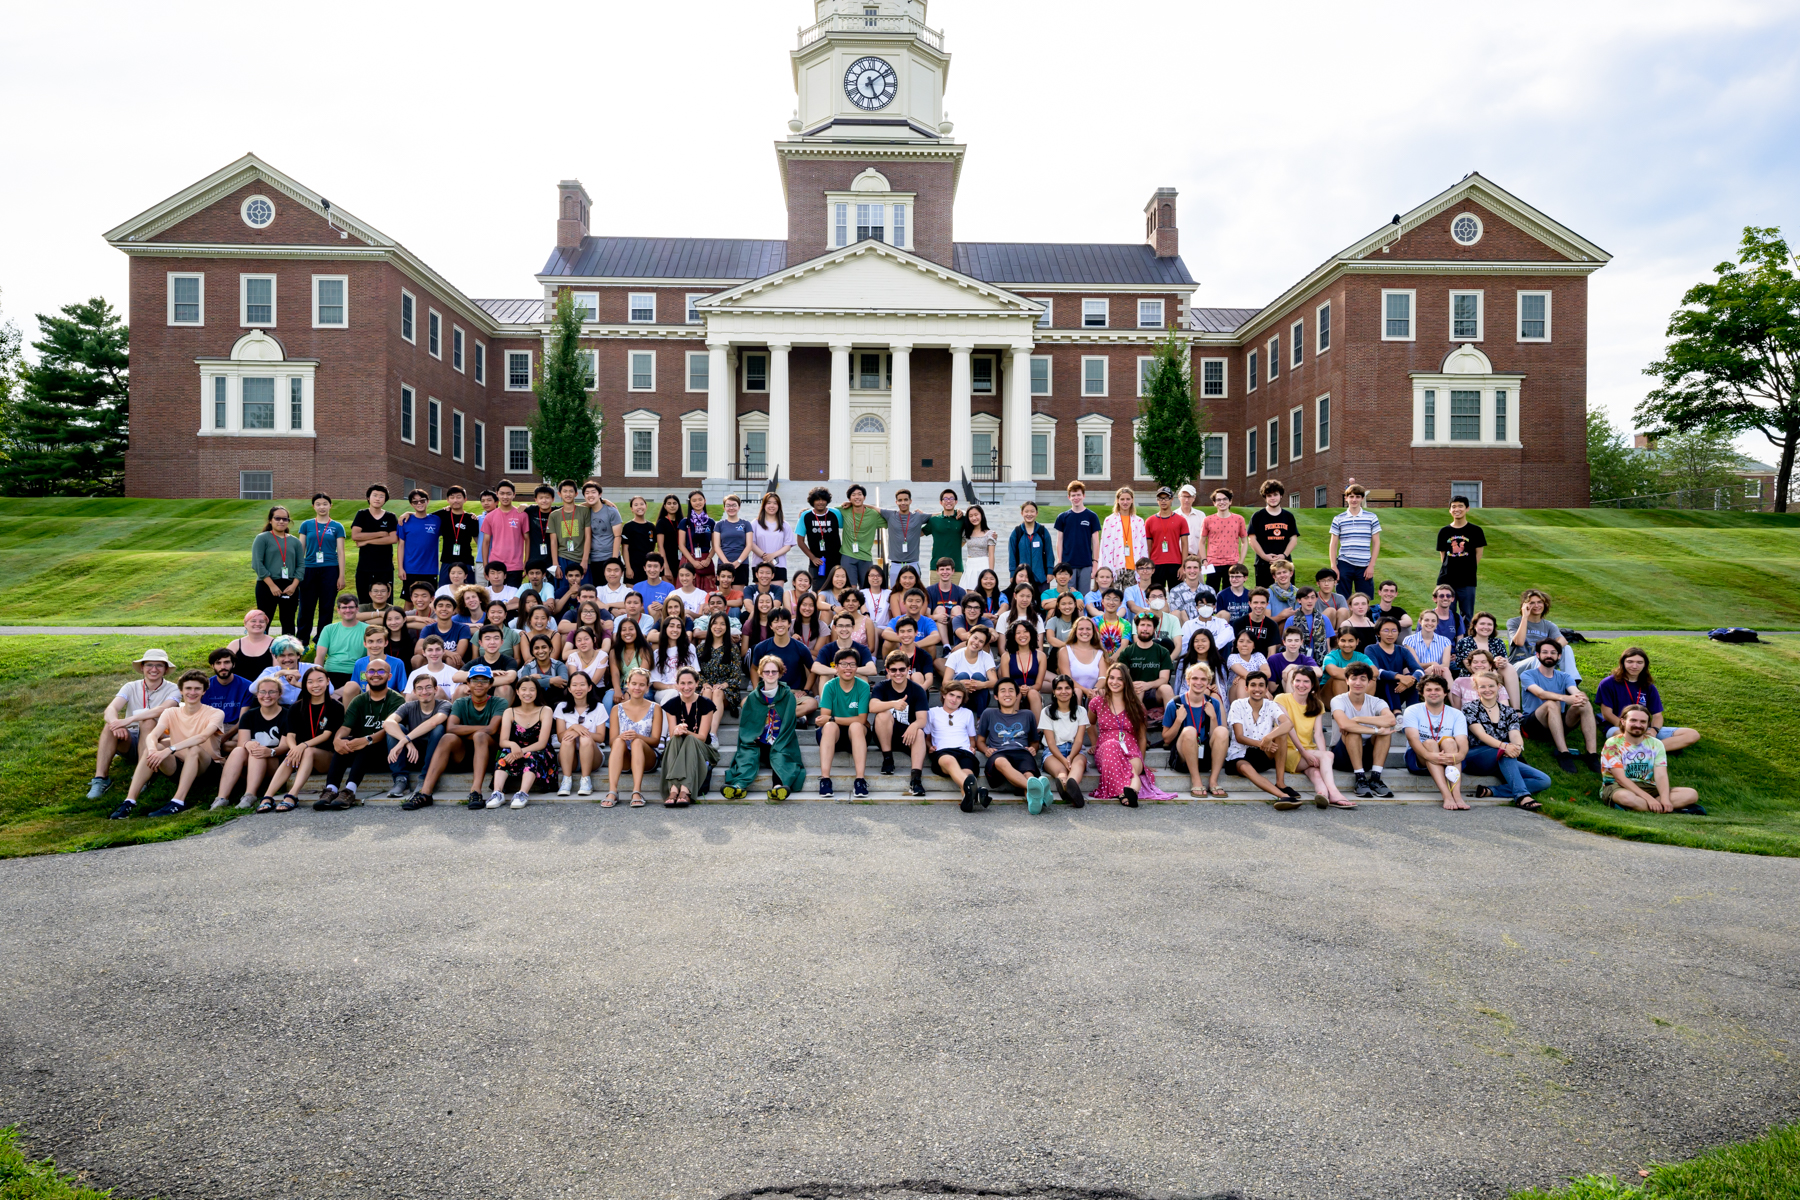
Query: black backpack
[1735, 633]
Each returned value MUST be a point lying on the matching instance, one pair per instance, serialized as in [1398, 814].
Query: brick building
[1446, 349]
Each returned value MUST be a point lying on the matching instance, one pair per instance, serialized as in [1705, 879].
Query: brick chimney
[571, 213]
[1644, 441]
[1159, 224]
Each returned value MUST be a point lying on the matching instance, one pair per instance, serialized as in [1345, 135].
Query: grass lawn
[23, 1179]
[1765, 1169]
[187, 562]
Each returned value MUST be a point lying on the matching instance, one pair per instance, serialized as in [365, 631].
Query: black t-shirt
[1265, 633]
[375, 562]
[265, 731]
[1273, 533]
[505, 662]
[669, 530]
[540, 538]
[403, 645]
[914, 695]
[458, 538]
[306, 720]
[795, 654]
[640, 539]
[1459, 545]
[1377, 614]
[830, 650]
[822, 537]
[681, 714]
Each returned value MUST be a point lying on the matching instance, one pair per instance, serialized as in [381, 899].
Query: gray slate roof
[1219, 320]
[669, 258]
[512, 312]
[1069, 262]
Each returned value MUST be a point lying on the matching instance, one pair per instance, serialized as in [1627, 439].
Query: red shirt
[1165, 534]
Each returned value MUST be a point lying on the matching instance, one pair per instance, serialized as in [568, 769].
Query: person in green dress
[768, 725]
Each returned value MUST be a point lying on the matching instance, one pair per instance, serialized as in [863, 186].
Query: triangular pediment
[232, 178]
[1485, 195]
[870, 276]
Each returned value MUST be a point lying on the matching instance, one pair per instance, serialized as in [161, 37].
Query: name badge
[319, 558]
[284, 572]
[1165, 548]
[543, 547]
[856, 547]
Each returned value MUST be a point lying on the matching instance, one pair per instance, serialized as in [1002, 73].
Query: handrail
[856, 23]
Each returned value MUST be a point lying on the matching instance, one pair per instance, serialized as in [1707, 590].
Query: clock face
[870, 83]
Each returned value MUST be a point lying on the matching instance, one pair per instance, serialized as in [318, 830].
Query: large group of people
[565, 645]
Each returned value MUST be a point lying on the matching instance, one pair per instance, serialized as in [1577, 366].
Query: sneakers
[982, 796]
[475, 800]
[777, 794]
[520, 800]
[968, 796]
[170, 809]
[1362, 789]
[1566, 761]
[1380, 788]
[586, 788]
[419, 800]
[733, 793]
[916, 788]
[98, 787]
[860, 788]
[401, 783]
[124, 810]
[825, 786]
[497, 799]
[1037, 794]
[1452, 773]
[328, 801]
[563, 788]
[887, 764]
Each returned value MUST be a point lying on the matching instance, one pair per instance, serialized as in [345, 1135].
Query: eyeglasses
[277, 518]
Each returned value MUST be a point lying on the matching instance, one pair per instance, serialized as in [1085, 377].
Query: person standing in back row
[1356, 543]
[1225, 535]
[1078, 537]
[1274, 531]
[1460, 546]
[323, 541]
[277, 556]
[1167, 532]
[374, 530]
[503, 532]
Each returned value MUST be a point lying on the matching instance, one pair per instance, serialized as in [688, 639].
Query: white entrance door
[868, 450]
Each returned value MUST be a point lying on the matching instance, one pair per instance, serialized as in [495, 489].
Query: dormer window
[869, 211]
[869, 223]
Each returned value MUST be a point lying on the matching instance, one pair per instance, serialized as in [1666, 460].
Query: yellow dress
[1303, 728]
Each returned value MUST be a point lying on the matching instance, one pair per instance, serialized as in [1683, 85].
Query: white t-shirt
[1005, 623]
[950, 730]
[667, 666]
[595, 668]
[506, 594]
[1256, 725]
[960, 665]
[611, 597]
[692, 601]
[1062, 728]
[1372, 706]
[593, 720]
[1449, 722]
[1222, 634]
[140, 697]
[446, 680]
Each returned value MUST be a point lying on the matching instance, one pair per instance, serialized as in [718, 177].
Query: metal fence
[1730, 498]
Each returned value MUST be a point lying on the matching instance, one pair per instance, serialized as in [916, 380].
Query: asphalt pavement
[844, 999]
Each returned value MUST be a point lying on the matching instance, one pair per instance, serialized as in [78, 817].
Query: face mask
[1158, 603]
[1205, 611]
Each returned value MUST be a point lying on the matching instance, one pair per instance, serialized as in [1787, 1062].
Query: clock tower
[869, 152]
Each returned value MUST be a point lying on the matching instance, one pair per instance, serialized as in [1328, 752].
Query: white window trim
[993, 373]
[459, 349]
[1105, 377]
[1487, 385]
[1412, 308]
[481, 363]
[478, 445]
[434, 407]
[754, 421]
[1224, 379]
[687, 378]
[1251, 367]
[697, 318]
[1105, 312]
[1274, 349]
[692, 422]
[631, 299]
[744, 362]
[1321, 429]
[1045, 424]
[1048, 319]
[630, 357]
[316, 281]
[1274, 448]
[1480, 314]
[1251, 454]
[1296, 416]
[506, 366]
[593, 357]
[1142, 359]
[1093, 423]
[234, 373]
[434, 320]
[642, 419]
[170, 310]
[1322, 328]
[1224, 471]
[1049, 374]
[1519, 320]
[506, 449]
[887, 200]
[989, 424]
[413, 337]
[1161, 307]
[457, 454]
[244, 303]
[1753, 482]
[592, 305]
[1297, 355]
[1480, 228]
[406, 389]
[1138, 470]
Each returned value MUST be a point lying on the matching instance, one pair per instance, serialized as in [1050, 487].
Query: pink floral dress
[1115, 745]
[1112, 544]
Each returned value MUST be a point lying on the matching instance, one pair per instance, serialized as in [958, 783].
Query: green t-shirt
[1144, 663]
[853, 703]
[464, 712]
[859, 535]
[946, 541]
[364, 716]
[343, 645]
[1336, 659]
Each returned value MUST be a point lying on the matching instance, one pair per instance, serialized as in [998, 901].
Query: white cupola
[870, 70]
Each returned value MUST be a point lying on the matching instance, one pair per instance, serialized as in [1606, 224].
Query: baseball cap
[1163, 491]
[1187, 489]
[481, 671]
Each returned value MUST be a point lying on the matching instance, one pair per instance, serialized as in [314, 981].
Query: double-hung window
[456, 347]
[1212, 377]
[699, 370]
[841, 224]
[434, 425]
[1275, 357]
[1465, 316]
[1040, 375]
[869, 222]
[330, 308]
[1094, 314]
[186, 300]
[220, 417]
[981, 373]
[756, 372]
[518, 451]
[456, 434]
[693, 314]
[1043, 321]
[643, 371]
[1324, 327]
[587, 305]
[259, 402]
[590, 368]
[1093, 376]
[406, 414]
[899, 224]
[1250, 374]
[1298, 336]
[1274, 442]
[1534, 316]
[643, 308]
[1213, 465]
[408, 314]
[1250, 452]
[1397, 316]
[478, 444]
[296, 402]
[1150, 314]
[480, 363]
[518, 370]
[1465, 416]
[1297, 443]
[258, 299]
[1322, 423]
[434, 333]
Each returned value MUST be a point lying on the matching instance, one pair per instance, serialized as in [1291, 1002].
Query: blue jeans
[1465, 604]
[1518, 777]
[1352, 578]
[428, 747]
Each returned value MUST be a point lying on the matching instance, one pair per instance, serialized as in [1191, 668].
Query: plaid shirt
[1186, 600]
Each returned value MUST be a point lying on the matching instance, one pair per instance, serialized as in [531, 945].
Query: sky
[1656, 130]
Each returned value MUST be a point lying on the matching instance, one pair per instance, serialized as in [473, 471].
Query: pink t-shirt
[1222, 532]
[504, 529]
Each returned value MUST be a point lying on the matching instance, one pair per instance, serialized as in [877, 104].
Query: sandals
[1219, 792]
[267, 805]
[1198, 793]
[1483, 791]
[1528, 803]
[1342, 803]
[1129, 797]
[673, 799]
[637, 799]
[612, 798]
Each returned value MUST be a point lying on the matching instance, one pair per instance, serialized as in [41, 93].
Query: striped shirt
[1355, 533]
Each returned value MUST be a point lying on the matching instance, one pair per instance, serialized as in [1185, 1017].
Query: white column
[838, 462]
[1018, 414]
[900, 455]
[960, 384]
[720, 423]
[778, 409]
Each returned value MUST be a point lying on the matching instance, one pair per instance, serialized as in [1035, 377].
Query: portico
[872, 307]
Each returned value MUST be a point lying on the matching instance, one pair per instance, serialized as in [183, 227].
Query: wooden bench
[1387, 496]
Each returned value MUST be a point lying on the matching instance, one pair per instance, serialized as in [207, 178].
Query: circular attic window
[258, 212]
[1466, 229]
